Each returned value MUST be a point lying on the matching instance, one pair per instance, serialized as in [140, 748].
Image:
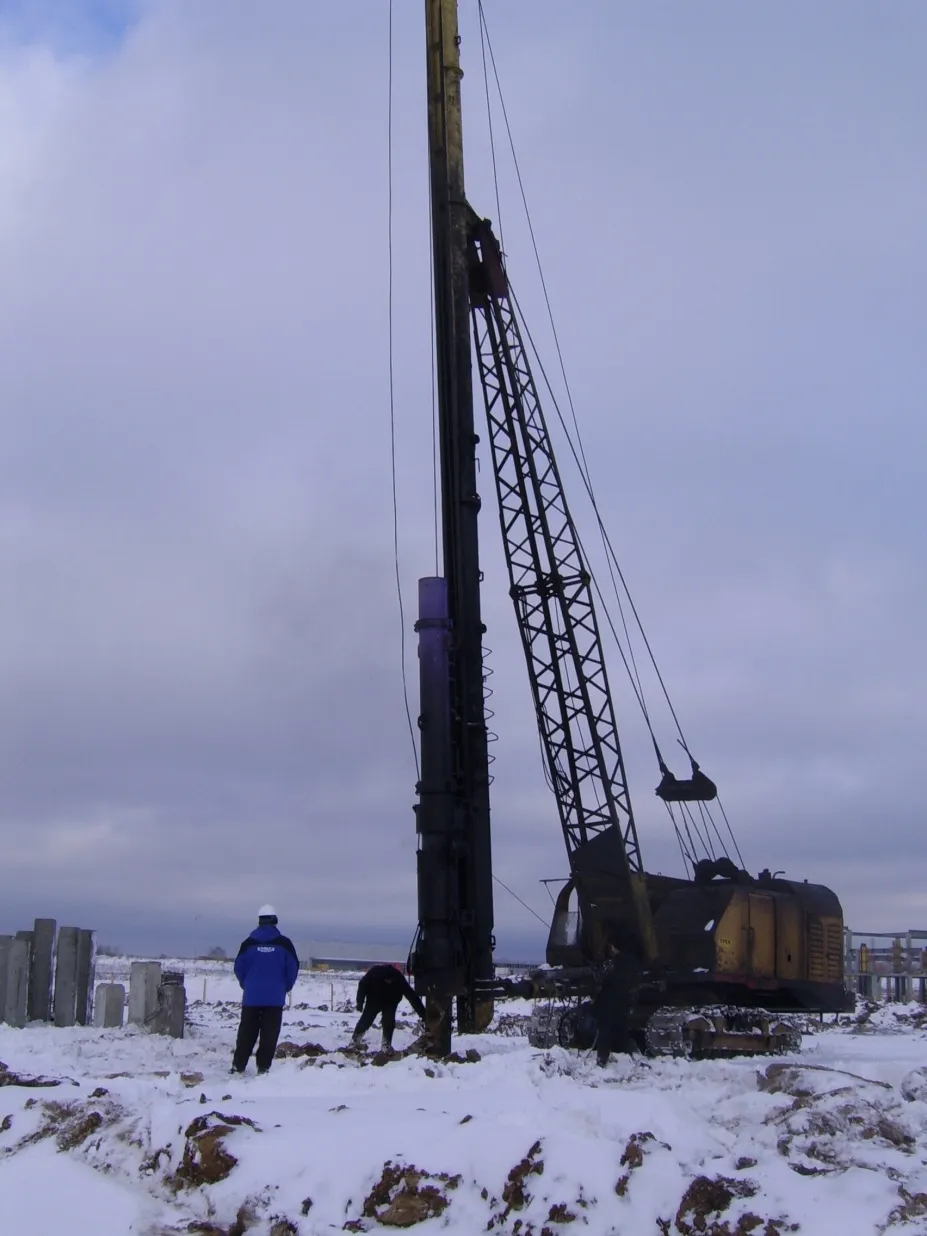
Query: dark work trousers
[387, 1021]
[257, 1020]
[612, 1011]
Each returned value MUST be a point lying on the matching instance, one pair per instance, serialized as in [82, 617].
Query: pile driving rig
[722, 954]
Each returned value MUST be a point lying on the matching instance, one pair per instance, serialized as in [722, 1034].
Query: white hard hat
[267, 912]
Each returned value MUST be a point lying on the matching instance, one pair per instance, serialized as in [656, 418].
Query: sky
[200, 640]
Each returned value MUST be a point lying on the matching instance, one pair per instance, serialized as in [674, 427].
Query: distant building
[336, 955]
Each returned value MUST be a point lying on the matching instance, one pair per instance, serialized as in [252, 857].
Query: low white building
[338, 955]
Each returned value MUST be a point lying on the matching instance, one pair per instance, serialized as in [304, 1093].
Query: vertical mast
[455, 863]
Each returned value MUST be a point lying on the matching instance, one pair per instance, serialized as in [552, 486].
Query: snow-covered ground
[151, 1136]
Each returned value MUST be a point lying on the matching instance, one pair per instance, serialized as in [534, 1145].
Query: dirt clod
[6, 1124]
[9, 1078]
[281, 1226]
[152, 1163]
[404, 1196]
[704, 1199]
[912, 1206]
[191, 1079]
[514, 1193]
[205, 1157]
[292, 1051]
[560, 1213]
[633, 1158]
[634, 1153]
[76, 1132]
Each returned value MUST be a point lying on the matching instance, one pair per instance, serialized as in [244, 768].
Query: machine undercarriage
[696, 1034]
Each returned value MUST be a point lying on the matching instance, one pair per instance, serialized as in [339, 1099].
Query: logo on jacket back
[263, 948]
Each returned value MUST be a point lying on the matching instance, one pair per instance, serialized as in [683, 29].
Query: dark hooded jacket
[384, 985]
[266, 967]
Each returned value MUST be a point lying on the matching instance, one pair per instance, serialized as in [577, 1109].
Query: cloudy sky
[200, 652]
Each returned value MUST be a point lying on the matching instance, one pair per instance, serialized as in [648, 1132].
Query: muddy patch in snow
[206, 1159]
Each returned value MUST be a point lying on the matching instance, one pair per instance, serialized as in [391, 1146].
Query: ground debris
[205, 1158]
[633, 1158]
[515, 1194]
[152, 1162]
[9, 1078]
[912, 1206]
[404, 1196]
[70, 1124]
[191, 1079]
[787, 1079]
[280, 1225]
[705, 1200]
[292, 1051]
[560, 1213]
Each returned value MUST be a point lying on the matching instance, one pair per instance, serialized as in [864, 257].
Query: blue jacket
[266, 967]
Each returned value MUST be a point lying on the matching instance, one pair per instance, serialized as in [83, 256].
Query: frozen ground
[151, 1136]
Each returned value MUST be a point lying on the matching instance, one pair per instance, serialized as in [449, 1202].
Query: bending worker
[380, 991]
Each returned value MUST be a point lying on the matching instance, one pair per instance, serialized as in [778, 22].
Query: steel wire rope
[580, 456]
[703, 834]
[519, 900]
[484, 39]
[392, 400]
[689, 853]
[581, 461]
[633, 677]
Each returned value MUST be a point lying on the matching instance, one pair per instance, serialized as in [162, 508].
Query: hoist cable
[579, 456]
[484, 39]
[519, 900]
[392, 400]
[730, 830]
[581, 461]
[636, 685]
[583, 466]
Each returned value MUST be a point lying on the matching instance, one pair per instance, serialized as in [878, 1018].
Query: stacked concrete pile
[46, 974]
[157, 1001]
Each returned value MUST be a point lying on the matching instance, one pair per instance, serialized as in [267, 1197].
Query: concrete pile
[47, 976]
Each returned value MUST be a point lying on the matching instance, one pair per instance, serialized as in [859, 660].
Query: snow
[137, 1138]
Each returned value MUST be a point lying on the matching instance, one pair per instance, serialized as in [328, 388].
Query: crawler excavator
[723, 954]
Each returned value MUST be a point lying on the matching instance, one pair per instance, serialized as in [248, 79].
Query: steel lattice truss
[550, 587]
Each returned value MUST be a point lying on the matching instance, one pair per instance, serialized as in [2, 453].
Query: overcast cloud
[199, 636]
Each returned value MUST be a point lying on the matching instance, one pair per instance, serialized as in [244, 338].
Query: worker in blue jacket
[266, 967]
